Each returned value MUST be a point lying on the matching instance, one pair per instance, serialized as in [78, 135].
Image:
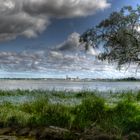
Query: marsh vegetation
[84, 113]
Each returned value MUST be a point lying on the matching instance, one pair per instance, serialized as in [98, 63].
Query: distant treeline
[121, 79]
[86, 79]
[129, 79]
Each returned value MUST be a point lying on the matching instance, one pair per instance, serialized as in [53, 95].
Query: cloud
[65, 8]
[138, 29]
[31, 17]
[92, 51]
[67, 58]
[71, 43]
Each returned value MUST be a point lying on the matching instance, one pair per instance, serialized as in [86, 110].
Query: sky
[40, 39]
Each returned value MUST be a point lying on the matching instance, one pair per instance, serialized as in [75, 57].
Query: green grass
[93, 111]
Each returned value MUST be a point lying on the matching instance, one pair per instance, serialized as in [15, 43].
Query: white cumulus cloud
[68, 57]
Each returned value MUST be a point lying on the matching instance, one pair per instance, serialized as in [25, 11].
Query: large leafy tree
[119, 34]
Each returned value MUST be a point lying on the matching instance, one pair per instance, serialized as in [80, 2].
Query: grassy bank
[117, 114]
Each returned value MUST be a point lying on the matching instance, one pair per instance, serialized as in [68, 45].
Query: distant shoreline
[129, 79]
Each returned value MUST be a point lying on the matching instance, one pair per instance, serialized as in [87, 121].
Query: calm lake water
[67, 85]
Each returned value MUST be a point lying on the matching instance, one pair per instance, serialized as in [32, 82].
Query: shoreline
[72, 79]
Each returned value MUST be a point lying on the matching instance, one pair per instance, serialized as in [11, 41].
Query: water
[67, 85]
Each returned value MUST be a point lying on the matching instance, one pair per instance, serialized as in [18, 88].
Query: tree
[119, 34]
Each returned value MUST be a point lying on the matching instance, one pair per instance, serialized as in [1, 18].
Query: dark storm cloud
[64, 8]
[31, 17]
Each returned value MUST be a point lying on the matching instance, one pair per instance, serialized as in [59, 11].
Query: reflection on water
[67, 85]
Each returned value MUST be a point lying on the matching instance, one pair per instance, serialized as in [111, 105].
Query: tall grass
[119, 119]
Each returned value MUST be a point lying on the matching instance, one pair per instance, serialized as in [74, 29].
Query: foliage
[120, 36]
[119, 118]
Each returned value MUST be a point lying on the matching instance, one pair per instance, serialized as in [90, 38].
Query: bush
[90, 110]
